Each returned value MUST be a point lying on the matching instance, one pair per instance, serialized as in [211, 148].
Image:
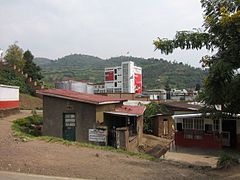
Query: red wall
[9, 104]
[208, 141]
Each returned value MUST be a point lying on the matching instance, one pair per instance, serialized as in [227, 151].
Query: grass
[30, 102]
[19, 130]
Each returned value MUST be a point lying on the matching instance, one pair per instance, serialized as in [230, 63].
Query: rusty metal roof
[81, 97]
[129, 110]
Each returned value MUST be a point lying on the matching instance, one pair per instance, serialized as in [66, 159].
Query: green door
[69, 125]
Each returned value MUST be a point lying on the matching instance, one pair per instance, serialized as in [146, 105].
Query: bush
[31, 125]
[226, 161]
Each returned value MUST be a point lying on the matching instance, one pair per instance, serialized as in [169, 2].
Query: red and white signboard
[109, 76]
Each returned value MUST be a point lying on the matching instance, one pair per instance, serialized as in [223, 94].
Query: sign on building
[97, 135]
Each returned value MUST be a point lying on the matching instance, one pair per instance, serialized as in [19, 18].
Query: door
[69, 126]
[226, 139]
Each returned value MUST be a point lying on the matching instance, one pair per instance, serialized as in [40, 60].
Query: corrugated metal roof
[81, 97]
[129, 110]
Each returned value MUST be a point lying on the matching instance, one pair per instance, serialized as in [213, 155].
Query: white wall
[9, 93]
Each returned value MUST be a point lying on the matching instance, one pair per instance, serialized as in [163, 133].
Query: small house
[88, 118]
[197, 130]
[163, 125]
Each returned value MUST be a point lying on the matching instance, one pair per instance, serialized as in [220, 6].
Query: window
[115, 77]
[198, 124]
[115, 71]
[187, 123]
[216, 125]
[208, 128]
[115, 84]
[179, 126]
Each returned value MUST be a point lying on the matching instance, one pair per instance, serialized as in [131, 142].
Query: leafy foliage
[14, 56]
[10, 77]
[156, 72]
[24, 62]
[30, 125]
[30, 67]
[222, 33]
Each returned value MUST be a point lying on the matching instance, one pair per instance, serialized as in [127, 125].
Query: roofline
[194, 115]
[187, 115]
[69, 98]
[7, 86]
[120, 113]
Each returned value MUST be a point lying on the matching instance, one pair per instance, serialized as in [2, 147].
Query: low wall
[207, 141]
[8, 112]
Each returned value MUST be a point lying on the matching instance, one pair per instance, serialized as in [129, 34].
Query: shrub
[31, 125]
[225, 160]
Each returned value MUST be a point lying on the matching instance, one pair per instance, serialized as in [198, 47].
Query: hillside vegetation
[30, 102]
[156, 72]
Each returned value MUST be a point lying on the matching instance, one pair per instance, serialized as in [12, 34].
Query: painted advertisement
[138, 80]
[109, 76]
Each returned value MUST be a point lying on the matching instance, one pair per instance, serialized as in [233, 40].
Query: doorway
[69, 126]
[229, 132]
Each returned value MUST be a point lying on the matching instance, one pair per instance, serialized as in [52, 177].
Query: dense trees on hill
[156, 72]
[30, 67]
[222, 34]
[15, 56]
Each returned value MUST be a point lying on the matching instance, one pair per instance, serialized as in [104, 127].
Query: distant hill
[42, 61]
[156, 72]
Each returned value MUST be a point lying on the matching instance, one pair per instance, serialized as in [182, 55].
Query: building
[99, 88]
[163, 126]
[76, 86]
[91, 118]
[9, 100]
[198, 130]
[174, 94]
[181, 107]
[126, 78]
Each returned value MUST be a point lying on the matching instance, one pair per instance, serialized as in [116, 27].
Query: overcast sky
[103, 28]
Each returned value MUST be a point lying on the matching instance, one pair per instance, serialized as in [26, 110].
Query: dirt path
[39, 157]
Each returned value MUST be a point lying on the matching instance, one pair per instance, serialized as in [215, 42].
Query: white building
[76, 86]
[126, 78]
[9, 97]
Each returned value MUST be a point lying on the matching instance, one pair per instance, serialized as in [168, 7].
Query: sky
[102, 28]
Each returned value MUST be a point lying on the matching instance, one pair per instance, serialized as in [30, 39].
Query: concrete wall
[9, 97]
[100, 109]
[53, 109]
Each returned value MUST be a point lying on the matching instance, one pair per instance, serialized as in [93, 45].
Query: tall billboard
[138, 80]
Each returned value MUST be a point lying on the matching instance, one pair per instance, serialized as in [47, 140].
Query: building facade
[126, 78]
[76, 86]
[86, 118]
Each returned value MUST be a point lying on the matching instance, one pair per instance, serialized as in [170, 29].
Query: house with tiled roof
[91, 118]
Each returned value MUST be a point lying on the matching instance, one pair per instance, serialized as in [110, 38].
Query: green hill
[156, 72]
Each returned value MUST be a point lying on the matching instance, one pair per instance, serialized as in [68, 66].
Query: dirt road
[39, 157]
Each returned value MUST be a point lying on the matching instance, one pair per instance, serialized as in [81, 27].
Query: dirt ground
[39, 157]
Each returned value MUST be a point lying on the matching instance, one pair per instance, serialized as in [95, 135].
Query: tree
[30, 67]
[14, 56]
[222, 34]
